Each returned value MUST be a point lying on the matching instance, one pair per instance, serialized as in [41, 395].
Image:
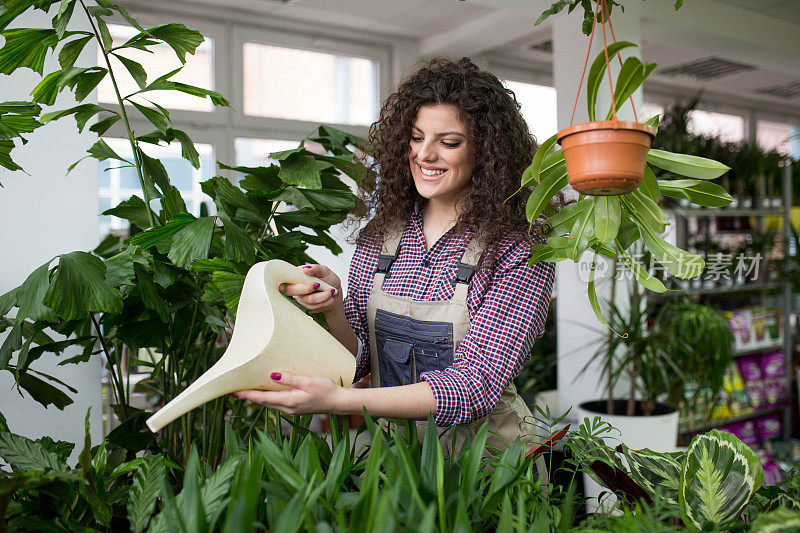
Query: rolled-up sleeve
[359, 285]
[505, 320]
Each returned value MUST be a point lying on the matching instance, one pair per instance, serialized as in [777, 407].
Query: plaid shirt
[507, 308]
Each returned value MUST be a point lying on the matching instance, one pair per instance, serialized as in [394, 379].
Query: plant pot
[606, 158]
[657, 432]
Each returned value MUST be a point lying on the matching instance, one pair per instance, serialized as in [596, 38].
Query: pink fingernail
[234, 395]
[333, 292]
[275, 376]
[306, 266]
[316, 286]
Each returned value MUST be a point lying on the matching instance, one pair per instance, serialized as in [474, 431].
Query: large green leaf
[136, 70]
[155, 117]
[22, 453]
[144, 491]
[680, 262]
[148, 291]
[5, 156]
[229, 285]
[698, 192]
[596, 72]
[552, 181]
[630, 77]
[238, 245]
[300, 169]
[607, 217]
[134, 210]
[163, 83]
[649, 186]
[216, 488]
[180, 38]
[686, 165]
[192, 242]
[43, 392]
[153, 236]
[82, 113]
[30, 294]
[119, 267]
[71, 51]
[533, 172]
[655, 472]
[581, 232]
[26, 47]
[79, 287]
[639, 271]
[647, 209]
[718, 478]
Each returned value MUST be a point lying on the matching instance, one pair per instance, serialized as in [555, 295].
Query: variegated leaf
[718, 478]
[777, 521]
[655, 471]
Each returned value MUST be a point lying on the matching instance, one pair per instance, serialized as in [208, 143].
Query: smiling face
[441, 155]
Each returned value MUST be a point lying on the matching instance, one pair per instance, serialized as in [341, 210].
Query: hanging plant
[608, 163]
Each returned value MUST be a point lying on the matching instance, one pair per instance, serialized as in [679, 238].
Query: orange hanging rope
[585, 62]
[619, 57]
[608, 64]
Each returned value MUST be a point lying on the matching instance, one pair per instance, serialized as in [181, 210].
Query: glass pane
[253, 152]
[784, 138]
[197, 71]
[123, 182]
[104, 178]
[726, 127]
[649, 110]
[538, 106]
[306, 85]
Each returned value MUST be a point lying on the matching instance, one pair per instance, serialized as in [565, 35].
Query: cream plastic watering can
[271, 333]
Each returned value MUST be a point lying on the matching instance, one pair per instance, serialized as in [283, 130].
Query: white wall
[42, 215]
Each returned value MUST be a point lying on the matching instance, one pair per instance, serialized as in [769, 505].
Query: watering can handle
[283, 272]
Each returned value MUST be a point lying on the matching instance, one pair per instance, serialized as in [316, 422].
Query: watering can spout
[271, 334]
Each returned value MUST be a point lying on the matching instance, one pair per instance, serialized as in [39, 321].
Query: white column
[579, 331]
[42, 215]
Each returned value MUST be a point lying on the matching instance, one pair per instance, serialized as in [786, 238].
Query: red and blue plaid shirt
[507, 308]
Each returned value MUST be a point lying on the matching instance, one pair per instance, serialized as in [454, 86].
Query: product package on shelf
[755, 328]
[773, 368]
[769, 427]
[772, 473]
[753, 376]
[733, 384]
[746, 432]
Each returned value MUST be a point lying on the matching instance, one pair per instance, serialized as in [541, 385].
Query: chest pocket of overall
[408, 347]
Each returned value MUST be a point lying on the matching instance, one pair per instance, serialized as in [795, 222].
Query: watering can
[271, 333]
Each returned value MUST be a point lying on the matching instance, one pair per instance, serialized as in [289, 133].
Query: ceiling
[762, 34]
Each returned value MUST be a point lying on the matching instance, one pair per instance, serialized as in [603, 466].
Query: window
[254, 152]
[538, 107]
[649, 110]
[784, 138]
[198, 71]
[297, 84]
[726, 127]
[118, 183]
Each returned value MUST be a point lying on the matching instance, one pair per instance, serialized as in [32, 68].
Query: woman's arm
[311, 394]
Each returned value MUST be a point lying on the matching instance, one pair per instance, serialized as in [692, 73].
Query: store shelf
[734, 419]
[757, 350]
[725, 212]
[725, 289]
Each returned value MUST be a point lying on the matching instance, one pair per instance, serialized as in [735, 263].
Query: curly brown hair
[503, 150]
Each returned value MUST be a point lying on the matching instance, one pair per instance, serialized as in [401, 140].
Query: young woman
[442, 306]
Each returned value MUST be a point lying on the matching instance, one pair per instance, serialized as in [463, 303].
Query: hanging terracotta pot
[606, 158]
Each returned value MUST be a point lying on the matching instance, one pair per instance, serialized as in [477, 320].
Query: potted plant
[609, 217]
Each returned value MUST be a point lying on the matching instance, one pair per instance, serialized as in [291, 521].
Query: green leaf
[653, 122]
[533, 172]
[580, 233]
[698, 192]
[101, 126]
[180, 38]
[30, 294]
[680, 262]
[148, 291]
[172, 203]
[649, 185]
[71, 51]
[134, 210]
[229, 284]
[647, 209]
[217, 487]
[300, 169]
[47, 90]
[153, 236]
[5, 156]
[61, 20]
[154, 170]
[718, 478]
[554, 9]
[655, 472]
[238, 245]
[686, 165]
[780, 520]
[136, 70]
[82, 80]
[26, 47]
[144, 491]
[607, 217]
[23, 454]
[82, 113]
[552, 182]
[188, 151]
[596, 72]
[79, 287]
[101, 151]
[105, 36]
[192, 242]
[43, 392]
[630, 78]
[640, 271]
[154, 117]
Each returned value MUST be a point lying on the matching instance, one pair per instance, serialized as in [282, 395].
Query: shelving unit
[683, 214]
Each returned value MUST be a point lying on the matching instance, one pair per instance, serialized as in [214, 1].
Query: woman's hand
[308, 395]
[309, 295]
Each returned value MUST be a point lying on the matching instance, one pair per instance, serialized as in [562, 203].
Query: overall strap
[467, 266]
[388, 255]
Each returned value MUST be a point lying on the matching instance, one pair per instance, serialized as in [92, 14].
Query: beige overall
[508, 419]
